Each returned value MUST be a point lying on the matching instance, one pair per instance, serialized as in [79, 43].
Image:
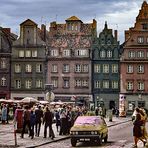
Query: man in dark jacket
[39, 116]
[26, 121]
[47, 119]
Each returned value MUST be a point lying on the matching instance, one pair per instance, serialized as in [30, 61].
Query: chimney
[116, 35]
[43, 32]
[7, 30]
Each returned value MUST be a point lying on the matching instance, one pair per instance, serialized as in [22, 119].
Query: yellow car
[89, 128]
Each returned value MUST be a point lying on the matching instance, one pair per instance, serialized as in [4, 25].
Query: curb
[119, 123]
[60, 139]
[67, 137]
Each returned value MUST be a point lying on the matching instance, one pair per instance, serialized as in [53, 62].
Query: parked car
[89, 128]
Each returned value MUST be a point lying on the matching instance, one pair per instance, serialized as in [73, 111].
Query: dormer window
[102, 54]
[109, 54]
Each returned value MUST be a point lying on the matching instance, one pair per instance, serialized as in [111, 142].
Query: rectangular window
[140, 54]
[78, 83]
[130, 69]
[66, 68]
[114, 68]
[140, 85]
[54, 68]
[114, 84]
[3, 63]
[34, 53]
[17, 83]
[28, 84]
[85, 83]
[102, 54]
[97, 84]
[66, 83]
[105, 68]
[140, 40]
[109, 54]
[66, 52]
[28, 53]
[54, 82]
[28, 68]
[38, 67]
[106, 84]
[131, 54]
[54, 52]
[82, 52]
[85, 68]
[39, 83]
[129, 85]
[146, 39]
[140, 68]
[77, 68]
[21, 53]
[97, 68]
[17, 68]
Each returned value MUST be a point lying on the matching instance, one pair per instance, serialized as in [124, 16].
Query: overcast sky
[120, 14]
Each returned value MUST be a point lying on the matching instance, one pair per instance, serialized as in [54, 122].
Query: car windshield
[88, 120]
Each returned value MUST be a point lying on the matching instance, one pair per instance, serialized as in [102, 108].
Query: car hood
[86, 127]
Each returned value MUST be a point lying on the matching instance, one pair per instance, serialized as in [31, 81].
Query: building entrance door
[112, 105]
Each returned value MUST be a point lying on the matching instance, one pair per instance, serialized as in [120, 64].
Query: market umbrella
[2, 100]
[29, 100]
[43, 102]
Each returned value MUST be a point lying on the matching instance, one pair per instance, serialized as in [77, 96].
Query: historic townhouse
[28, 62]
[105, 69]
[134, 62]
[6, 38]
[69, 59]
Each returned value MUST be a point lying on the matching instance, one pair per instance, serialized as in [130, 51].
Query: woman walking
[137, 132]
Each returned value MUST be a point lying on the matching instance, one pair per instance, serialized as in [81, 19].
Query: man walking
[26, 121]
[39, 116]
[48, 118]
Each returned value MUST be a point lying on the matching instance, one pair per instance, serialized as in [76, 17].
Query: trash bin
[110, 115]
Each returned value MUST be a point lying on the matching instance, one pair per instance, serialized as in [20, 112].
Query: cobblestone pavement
[7, 135]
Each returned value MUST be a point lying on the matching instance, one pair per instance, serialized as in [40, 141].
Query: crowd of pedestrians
[63, 116]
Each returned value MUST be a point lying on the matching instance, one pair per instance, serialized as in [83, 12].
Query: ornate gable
[28, 22]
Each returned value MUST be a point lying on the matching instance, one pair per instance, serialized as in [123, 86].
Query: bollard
[110, 115]
[15, 138]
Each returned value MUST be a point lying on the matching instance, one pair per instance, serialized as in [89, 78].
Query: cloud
[119, 14]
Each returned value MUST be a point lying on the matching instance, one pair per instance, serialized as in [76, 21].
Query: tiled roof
[73, 18]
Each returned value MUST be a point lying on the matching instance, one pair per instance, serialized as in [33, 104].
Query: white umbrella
[43, 102]
[56, 103]
[29, 100]
[2, 100]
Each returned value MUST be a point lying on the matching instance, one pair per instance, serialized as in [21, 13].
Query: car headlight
[94, 132]
[74, 133]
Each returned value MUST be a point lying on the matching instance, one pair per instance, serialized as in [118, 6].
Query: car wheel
[105, 139]
[73, 142]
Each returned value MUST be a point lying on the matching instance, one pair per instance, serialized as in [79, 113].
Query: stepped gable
[143, 13]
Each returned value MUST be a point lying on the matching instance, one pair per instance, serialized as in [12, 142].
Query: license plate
[85, 139]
